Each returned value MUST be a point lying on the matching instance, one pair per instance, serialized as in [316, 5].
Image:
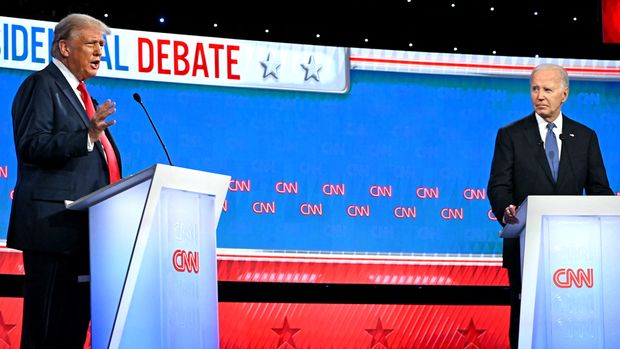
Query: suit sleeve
[596, 182]
[500, 187]
[45, 133]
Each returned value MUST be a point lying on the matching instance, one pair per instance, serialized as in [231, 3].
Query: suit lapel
[567, 154]
[65, 88]
[533, 136]
[76, 105]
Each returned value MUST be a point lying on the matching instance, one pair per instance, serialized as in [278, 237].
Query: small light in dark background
[519, 28]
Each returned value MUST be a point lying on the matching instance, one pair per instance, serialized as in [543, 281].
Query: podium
[153, 259]
[570, 256]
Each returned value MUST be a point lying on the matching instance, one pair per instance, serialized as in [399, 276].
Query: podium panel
[569, 255]
[153, 259]
[574, 297]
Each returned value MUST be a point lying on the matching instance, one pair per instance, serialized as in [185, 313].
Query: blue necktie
[551, 148]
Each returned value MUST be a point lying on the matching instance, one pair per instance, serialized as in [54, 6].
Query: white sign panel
[148, 56]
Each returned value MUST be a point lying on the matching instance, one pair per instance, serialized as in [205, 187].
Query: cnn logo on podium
[185, 261]
[567, 278]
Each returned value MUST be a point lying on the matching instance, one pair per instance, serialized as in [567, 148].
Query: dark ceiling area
[556, 29]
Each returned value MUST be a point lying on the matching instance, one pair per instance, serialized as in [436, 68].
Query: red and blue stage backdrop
[349, 166]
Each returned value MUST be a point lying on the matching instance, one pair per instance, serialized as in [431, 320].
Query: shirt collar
[71, 79]
[542, 123]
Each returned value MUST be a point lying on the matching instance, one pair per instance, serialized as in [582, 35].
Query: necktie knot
[550, 126]
[82, 87]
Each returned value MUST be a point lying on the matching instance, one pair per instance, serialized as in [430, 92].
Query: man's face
[82, 52]
[547, 93]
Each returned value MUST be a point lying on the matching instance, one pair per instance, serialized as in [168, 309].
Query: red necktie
[107, 147]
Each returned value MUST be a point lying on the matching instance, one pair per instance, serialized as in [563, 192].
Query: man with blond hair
[64, 151]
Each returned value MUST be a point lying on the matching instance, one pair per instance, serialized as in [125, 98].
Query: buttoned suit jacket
[50, 129]
[520, 168]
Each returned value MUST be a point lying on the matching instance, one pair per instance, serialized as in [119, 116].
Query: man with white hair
[544, 153]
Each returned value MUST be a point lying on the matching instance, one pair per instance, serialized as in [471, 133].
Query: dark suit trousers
[56, 305]
[514, 277]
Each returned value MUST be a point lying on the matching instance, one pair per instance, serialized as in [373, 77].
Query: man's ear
[64, 48]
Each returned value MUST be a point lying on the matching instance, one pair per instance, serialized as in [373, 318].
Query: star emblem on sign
[471, 334]
[379, 336]
[4, 331]
[270, 67]
[286, 334]
[312, 69]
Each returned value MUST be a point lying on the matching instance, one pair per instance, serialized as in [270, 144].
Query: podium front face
[153, 263]
[574, 248]
[571, 286]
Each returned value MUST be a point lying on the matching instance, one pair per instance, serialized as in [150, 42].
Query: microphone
[138, 99]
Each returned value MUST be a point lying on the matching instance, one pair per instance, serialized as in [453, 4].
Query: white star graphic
[312, 69]
[270, 67]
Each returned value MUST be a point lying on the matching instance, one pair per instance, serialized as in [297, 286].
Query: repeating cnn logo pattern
[567, 278]
[353, 210]
[185, 261]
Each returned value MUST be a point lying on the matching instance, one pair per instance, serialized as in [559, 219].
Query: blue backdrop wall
[398, 164]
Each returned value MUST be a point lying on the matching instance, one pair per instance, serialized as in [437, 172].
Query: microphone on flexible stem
[138, 99]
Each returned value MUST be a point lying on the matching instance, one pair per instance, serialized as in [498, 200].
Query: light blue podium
[153, 259]
[570, 255]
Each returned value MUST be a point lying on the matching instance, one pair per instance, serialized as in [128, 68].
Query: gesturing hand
[98, 123]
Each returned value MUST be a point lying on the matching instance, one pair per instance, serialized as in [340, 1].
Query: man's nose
[98, 50]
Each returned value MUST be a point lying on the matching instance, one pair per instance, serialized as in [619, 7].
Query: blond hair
[68, 26]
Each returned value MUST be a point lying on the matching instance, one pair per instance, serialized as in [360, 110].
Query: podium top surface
[171, 175]
[513, 230]
[109, 190]
[582, 205]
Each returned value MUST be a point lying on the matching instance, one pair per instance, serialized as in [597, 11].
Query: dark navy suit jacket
[50, 129]
[520, 168]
